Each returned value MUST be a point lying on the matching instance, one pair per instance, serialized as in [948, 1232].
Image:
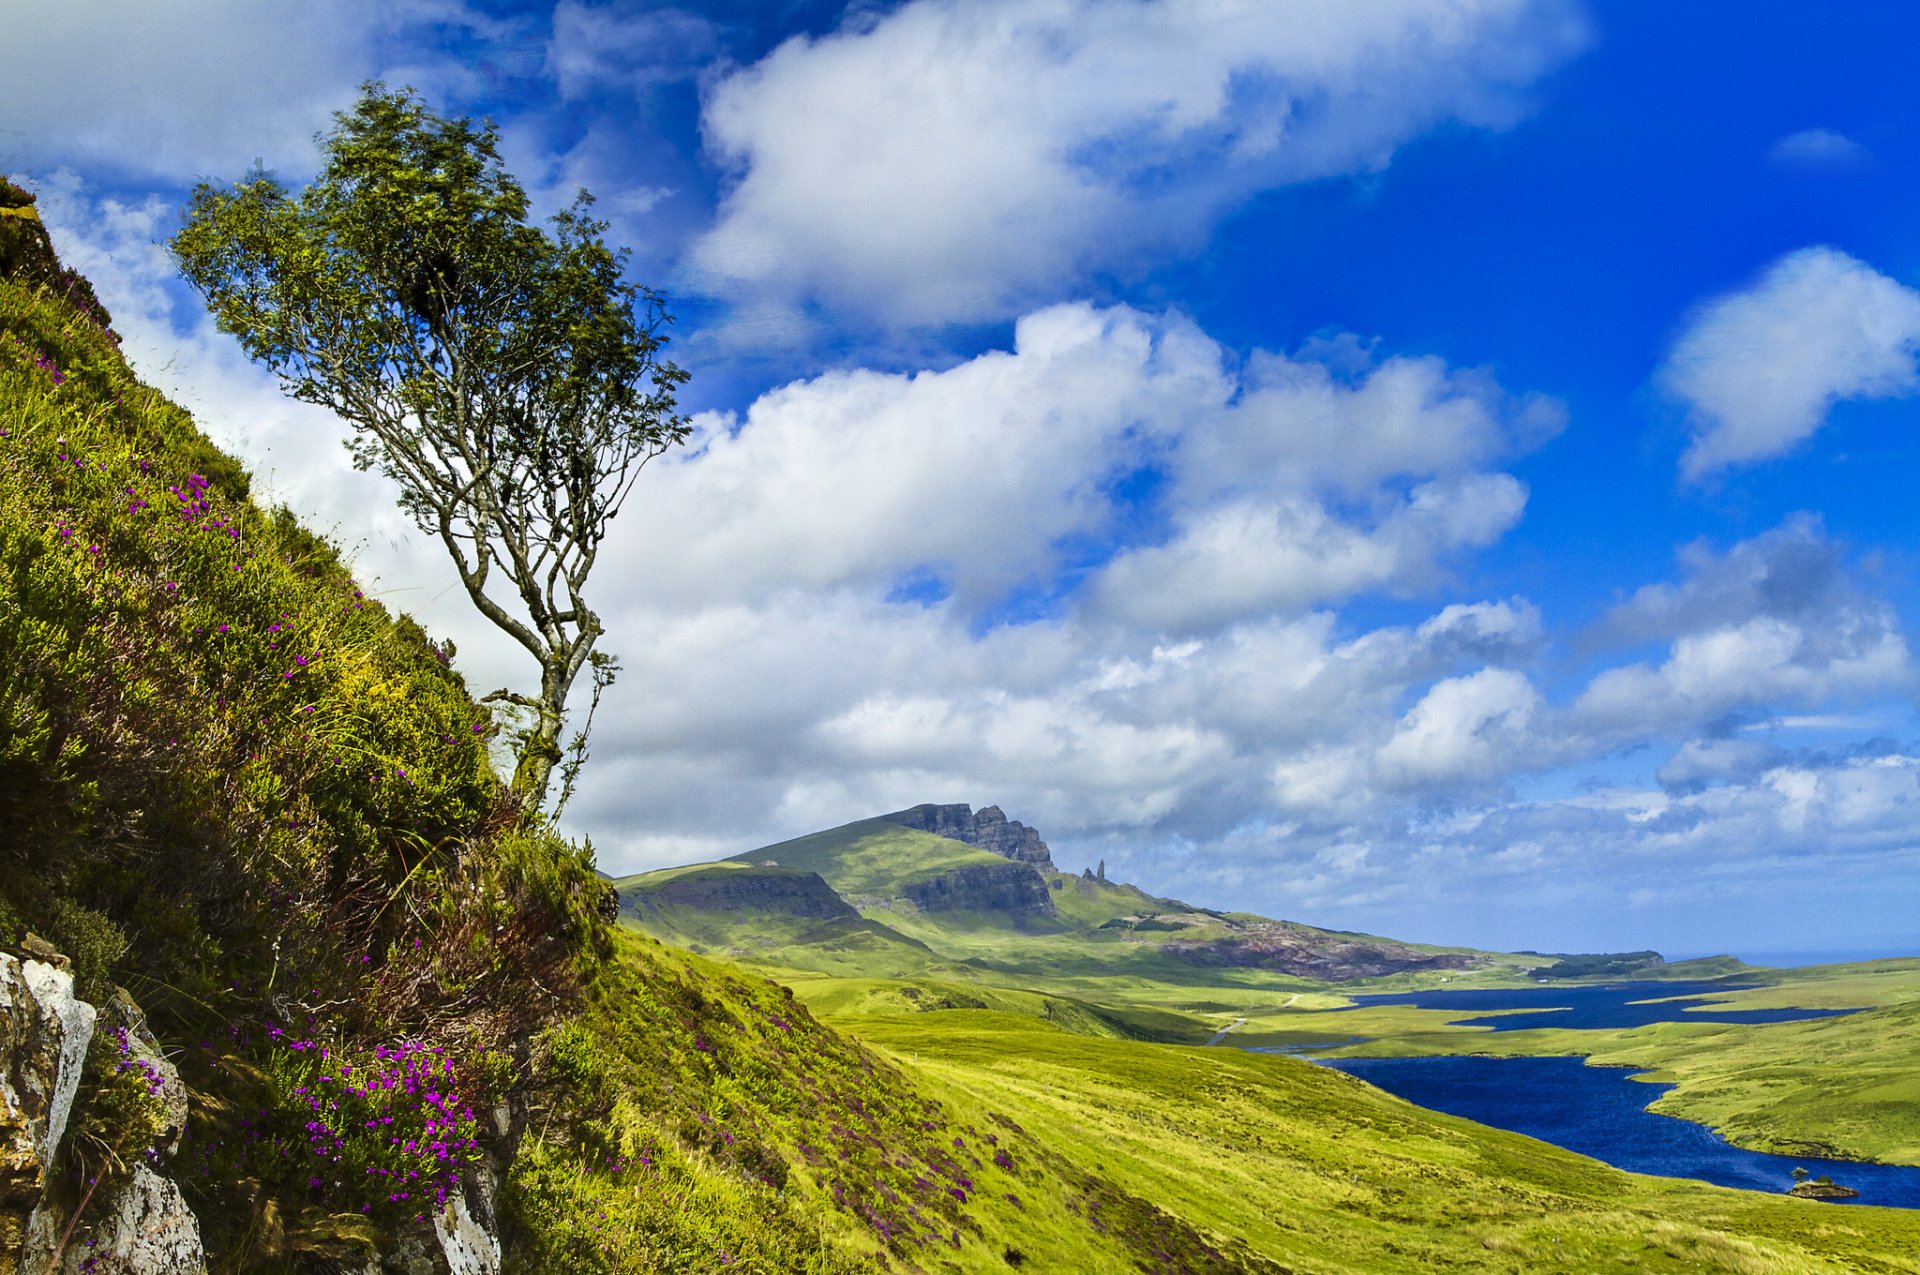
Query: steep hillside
[286, 978]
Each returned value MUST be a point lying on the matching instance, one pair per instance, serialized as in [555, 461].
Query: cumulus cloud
[1701, 762]
[1759, 369]
[1775, 622]
[1282, 555]
[1463, 728]
[953, 161]
[999, 472]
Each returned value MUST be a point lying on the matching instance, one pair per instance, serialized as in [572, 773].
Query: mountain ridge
[934, 871]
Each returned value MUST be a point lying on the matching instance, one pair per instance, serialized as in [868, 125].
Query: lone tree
[506, 377]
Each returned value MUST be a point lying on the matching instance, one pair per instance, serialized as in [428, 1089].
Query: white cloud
[1332, 419]
[958, 161]
[600, 46]
[1759, 369]
[1774, 623]
[973, 474]
[181, 89]
[1464, 728]
[1819, 148]
[1251, 557]
[1700, 762]
[989, 475]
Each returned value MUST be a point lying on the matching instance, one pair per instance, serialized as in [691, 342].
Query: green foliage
[90, 940]
[507, 379]
[235, 784]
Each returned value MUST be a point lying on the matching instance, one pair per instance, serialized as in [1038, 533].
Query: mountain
[944, 889]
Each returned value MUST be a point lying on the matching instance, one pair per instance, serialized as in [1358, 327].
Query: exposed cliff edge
[990, 829]
[1010, 887]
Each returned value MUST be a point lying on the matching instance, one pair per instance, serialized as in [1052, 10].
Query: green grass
[871, 859]
[1319, 1172]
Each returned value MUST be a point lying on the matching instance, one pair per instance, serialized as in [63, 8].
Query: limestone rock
[463, 1240]
[468, 1242]
[990, 829]
[44, 1033]
[143, 1227]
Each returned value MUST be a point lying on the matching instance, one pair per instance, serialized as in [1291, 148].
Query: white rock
[44, 1033]
[470, 1247]
[143, 1228]
[67, 1022]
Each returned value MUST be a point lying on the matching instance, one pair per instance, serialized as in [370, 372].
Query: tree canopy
[505, 375]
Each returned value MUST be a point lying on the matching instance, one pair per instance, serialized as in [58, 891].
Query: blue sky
[1443, 469]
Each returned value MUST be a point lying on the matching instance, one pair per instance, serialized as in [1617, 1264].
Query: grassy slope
[1323, 1173]
[682, 1111]
[231, 782]
[1120, 1155]
[713, 1115]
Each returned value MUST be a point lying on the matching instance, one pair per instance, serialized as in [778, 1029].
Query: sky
[1444, 469]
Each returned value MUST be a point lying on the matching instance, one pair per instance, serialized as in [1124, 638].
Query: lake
[1600, 1112]
[1591, 1005]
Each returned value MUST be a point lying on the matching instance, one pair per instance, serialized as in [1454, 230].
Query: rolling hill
[982, 901]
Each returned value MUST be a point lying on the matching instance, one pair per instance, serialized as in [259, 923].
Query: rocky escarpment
[997, 887]
[1322, 955]
[785, 891]
[990, 829]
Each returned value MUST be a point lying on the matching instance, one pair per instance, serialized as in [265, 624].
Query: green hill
[931, 910]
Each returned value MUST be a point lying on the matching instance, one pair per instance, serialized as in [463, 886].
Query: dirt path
[1222, 1033]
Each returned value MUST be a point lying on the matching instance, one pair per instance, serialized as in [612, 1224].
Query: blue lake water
[1600, 1112]
[1591, 1005]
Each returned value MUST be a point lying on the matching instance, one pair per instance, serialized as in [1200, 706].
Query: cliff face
[990, 829]
[789, 893]
[1008, 887]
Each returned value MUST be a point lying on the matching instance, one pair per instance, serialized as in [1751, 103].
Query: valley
[1153, 1037]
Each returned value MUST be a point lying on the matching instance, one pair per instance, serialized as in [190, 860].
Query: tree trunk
[541, 752]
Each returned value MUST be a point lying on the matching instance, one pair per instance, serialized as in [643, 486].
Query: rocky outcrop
[141, 1226]
[1322, 955]
[985, 887]
[138, 1224]
[990, 829]
[44, 1033]
[784, 891]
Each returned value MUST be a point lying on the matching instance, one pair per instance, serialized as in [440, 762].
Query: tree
[507, 378]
